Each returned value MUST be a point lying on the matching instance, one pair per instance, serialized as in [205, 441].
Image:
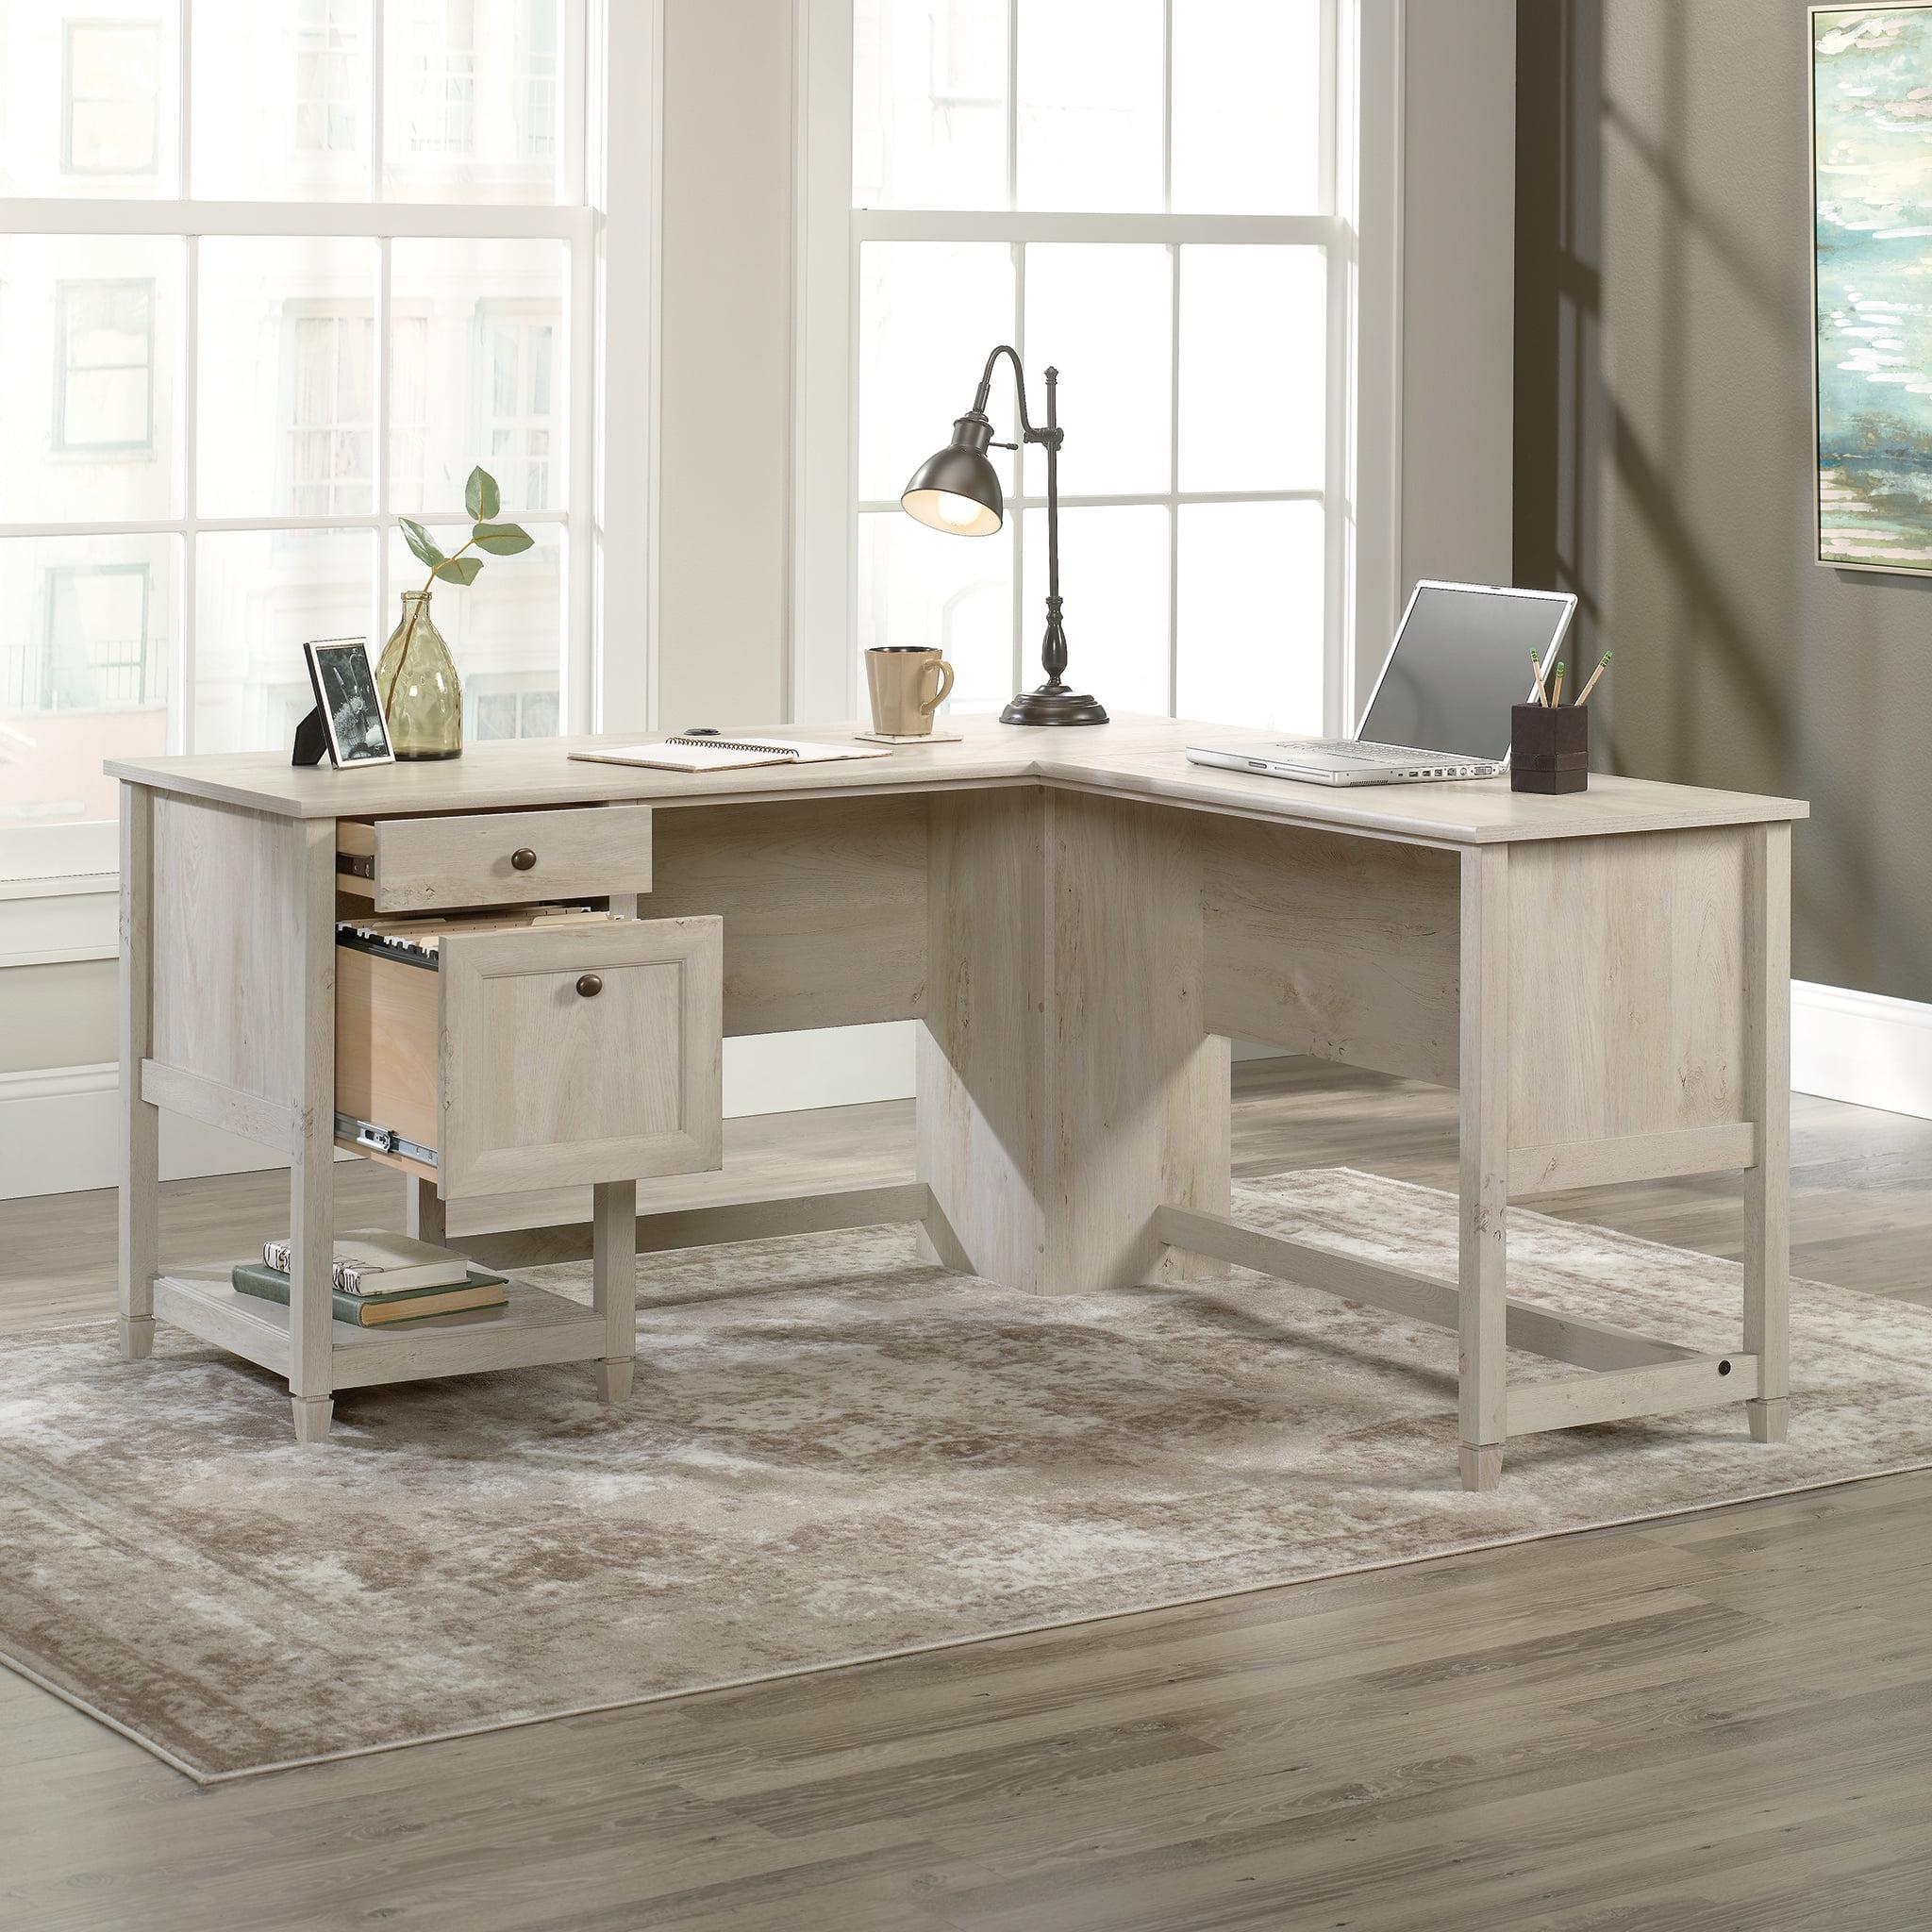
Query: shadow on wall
[1665, 459]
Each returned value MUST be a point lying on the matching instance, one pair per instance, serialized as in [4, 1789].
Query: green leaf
[500, 539]
[421, 543]
[481, 497]
[460, 570]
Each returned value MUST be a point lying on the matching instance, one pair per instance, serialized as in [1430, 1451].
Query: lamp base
[1053, 703]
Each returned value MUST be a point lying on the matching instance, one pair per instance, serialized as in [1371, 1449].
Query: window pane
[86, 102]
[1113, 577]
[472, 112]
[1254, 329]
[929, 104]
[281, 99]
[476, 364]
[929, 314]
[1247, 106]
[1250, 614]
[258, 597]
[87, 647]
[89, 336]
[1103, 315]
[506, 631]
[949, 593]
[1090, 105]
[286, 377]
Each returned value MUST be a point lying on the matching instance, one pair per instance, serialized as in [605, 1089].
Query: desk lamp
[958, 493]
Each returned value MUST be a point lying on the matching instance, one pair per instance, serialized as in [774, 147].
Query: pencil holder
[1549, 748]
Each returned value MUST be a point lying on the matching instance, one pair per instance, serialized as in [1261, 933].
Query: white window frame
[609, 217]
[1359, 232]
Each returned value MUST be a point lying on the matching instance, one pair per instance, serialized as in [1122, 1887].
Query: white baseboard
[1861, 1047]
[57, 1135]
[56, 1126]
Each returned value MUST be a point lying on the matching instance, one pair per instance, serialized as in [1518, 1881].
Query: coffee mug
[899, 677]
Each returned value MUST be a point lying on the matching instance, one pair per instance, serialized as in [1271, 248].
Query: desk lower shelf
[533, 1329]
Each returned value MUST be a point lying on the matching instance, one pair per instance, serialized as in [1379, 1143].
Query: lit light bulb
[961, 512]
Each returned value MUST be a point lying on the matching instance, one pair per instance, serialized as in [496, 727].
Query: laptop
[1440, 707]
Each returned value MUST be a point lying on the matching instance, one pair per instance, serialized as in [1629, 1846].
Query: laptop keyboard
[1370, 754]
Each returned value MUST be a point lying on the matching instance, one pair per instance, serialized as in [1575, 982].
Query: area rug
[834, 1453]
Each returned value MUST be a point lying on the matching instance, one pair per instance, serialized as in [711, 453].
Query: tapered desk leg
[140, 1123]
[1484, 1180]
[614, 1283]
[1768, 1079]
[311, 1176]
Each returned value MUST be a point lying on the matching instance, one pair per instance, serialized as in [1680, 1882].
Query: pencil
[1536, 680]
[1557, 689]
[1593, 677]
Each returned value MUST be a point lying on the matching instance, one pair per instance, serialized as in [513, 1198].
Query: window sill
[60, 920]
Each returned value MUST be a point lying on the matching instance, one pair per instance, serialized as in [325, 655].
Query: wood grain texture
[982, 1052]
[1067, 1083]
[465, 859]
[1133, 757]
[229, 898]
[824, 904]
[1325, 944]
[614, 1277]
[1137, 1105]
[389, 1018]
[1627, 986]
[543, 1085]
[1768, 1100]
[139, 1149]
[1487, 1056]
[308, 965]
[1633, 1158]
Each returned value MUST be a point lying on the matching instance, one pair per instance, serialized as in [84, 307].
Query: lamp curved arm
[984, 389]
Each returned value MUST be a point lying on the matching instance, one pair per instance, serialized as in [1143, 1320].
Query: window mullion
[1174, 471]
[377, 85]
[180, 731]
[384, 380]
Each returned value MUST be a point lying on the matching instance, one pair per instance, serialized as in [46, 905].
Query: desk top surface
[1133, 757]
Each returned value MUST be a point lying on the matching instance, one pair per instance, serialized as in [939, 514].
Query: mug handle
[939, 697]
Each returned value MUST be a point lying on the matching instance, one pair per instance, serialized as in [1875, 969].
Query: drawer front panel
[502, 859]
[588, 1053]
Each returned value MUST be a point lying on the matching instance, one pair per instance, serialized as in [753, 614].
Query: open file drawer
[536, 1057]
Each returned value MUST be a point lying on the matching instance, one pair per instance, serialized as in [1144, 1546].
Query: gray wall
[1664, 453]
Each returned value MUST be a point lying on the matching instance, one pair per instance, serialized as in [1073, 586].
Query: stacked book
[381, 1277]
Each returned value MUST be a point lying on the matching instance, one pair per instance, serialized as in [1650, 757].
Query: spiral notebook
[726, 754]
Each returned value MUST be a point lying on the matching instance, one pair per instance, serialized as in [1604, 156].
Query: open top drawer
[494, 857]
[547, 1055]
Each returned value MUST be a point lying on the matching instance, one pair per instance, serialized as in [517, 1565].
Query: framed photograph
[344, 683]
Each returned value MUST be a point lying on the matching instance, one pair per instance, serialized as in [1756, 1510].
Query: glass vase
[422, 696]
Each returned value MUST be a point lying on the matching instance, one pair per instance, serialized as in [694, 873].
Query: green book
[482, 1290]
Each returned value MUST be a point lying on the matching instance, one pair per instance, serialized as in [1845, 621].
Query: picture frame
[344, 681]
[1870, 358]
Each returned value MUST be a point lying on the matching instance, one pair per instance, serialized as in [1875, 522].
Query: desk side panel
[824, 903]
[1341, 947]
[1626, 986]
[229, 910]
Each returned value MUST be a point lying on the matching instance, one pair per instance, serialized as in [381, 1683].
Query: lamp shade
[958, 489]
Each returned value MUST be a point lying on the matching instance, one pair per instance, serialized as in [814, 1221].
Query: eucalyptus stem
[396, 676]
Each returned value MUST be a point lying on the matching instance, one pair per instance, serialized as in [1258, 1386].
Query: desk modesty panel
[1080, 920]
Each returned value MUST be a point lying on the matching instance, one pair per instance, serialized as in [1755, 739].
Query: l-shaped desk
[1079, 919]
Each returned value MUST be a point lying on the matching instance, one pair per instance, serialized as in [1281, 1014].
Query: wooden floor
[1718, 1723]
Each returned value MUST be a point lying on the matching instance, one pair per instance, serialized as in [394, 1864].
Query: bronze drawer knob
[523, 858]
[590, 985]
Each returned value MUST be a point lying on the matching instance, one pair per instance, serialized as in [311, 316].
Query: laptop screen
[1461, 661]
